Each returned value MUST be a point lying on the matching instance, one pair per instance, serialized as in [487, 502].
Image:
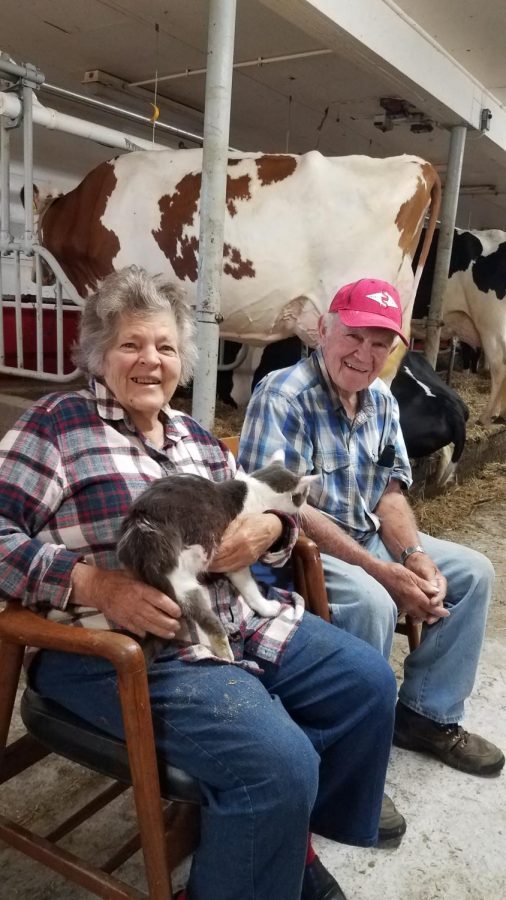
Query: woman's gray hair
[131, 292]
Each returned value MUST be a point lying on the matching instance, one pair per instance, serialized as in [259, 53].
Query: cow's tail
[435, 203]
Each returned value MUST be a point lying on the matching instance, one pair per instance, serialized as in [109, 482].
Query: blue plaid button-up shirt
[69, 471]
[298, 409]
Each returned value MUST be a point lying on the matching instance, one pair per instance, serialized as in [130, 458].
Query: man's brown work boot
[450, 743]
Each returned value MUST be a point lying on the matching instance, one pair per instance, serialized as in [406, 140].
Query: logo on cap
[383, 298]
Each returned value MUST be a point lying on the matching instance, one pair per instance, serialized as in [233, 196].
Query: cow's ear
[277, 456]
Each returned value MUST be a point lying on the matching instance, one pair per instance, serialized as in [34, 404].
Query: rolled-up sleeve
[32, 487]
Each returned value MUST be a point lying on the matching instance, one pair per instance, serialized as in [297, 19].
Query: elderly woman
[283, 745]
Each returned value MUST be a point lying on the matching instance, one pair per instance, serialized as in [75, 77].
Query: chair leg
[12, 660]
[136, 710]
[413, 631]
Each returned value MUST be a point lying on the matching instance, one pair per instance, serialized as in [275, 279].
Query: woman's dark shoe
[450, 743]
[319, 884]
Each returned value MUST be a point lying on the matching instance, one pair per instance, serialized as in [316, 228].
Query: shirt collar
[109, 408]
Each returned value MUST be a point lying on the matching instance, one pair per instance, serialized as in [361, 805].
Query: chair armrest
[22, 626]
[309, 578]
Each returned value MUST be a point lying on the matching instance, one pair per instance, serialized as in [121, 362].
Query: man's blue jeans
[440, 674]
[303, 745]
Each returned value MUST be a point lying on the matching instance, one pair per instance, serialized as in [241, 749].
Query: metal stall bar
[28, 162]
[10, 105]
[5, 229]
[5, 158]
[59, 329]
[220, 56]
[442, 264]
[18, 314]
[39, 314]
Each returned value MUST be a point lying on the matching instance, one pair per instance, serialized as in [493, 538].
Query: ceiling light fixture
[400, 112]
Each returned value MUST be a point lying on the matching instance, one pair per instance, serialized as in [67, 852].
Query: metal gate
[37, 323]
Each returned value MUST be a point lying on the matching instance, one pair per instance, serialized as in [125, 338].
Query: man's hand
[129, 603]
[423, 566]
[419, 595]
[245, 540]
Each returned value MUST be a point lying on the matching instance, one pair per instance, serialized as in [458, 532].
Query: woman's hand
[129, 603]
[245, 540]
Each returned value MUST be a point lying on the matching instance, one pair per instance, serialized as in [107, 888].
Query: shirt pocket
[333, 469]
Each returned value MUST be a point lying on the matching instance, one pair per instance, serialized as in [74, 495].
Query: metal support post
[5, 224]
[220, 55]
[28, 165]
[444, 248]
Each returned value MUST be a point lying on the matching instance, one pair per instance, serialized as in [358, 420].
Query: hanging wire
[289, 124]
[156, 111]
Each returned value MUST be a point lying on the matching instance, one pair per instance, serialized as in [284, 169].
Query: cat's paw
[266, 608]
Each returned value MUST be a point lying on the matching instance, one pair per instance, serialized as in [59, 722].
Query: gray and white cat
[172, 530]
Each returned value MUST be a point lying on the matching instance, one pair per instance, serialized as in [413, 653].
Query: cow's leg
[501, 399]
[495, 352]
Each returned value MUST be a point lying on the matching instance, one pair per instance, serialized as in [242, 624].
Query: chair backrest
[232, 443]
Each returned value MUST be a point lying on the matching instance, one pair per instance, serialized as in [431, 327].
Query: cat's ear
[277, 456]
[307, 480]
[304, 486]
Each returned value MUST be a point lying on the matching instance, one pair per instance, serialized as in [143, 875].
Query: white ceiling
[325, 102]
[472, 32]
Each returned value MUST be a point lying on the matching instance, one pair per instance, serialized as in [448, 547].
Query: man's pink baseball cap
[369, 303]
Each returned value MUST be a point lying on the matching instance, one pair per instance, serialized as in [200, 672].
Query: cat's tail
[145, 549]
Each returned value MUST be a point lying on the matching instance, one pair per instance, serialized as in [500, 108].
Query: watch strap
[409, 550]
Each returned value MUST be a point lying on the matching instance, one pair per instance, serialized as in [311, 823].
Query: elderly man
[332, 415]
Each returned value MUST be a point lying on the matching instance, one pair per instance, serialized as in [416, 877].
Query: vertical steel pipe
[220, 57]
[5, 224]
[28, 166]
[444, 249]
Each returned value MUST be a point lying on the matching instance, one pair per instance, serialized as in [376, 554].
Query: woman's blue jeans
[302, 746]
[440, 674]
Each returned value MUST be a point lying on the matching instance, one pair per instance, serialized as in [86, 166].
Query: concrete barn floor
[455, 846]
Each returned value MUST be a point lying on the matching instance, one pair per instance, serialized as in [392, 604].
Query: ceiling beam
[378, 35]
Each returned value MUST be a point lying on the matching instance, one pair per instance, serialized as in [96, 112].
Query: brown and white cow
[296, 228]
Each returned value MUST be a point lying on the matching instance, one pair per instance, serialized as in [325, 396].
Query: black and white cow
[234, 386]
[474, 303]
[432, 415]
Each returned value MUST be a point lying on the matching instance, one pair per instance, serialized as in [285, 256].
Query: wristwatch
[408, 551]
